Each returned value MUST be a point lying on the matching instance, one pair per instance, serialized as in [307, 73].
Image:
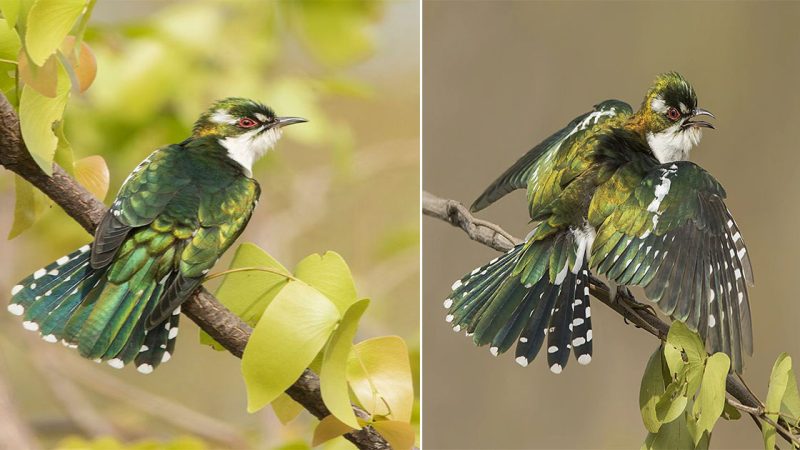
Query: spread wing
[142, 197]
[536, 163]
[222, 217]
[666, 227]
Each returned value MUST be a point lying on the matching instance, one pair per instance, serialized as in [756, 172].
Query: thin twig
[494, 236]
[205, 310]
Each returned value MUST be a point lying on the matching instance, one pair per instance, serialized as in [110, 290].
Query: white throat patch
[674, 144]
[248, 147]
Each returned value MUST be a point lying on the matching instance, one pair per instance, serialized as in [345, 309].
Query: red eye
[673, 114]
[246, 122]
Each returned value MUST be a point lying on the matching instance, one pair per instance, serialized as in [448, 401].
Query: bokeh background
[500, 77]
[347, 181]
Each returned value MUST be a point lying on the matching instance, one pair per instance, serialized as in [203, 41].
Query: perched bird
[118, 299]
[613, 194]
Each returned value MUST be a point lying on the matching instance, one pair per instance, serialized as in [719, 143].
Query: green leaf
[671, 436]
[291, 332]
[379, 373]
[37, 116]
[49, 21]
[778, 383]
[285, 408]
[64, 156]
[333, 375]
[248, 293]
[683, 342]
[29, 205]
[330, 275]
[710, 402]
[400, 435]
[328, 428]
[790, 404]
[9, 41]
[10, 10]
[650, 391]
[672, 403]
[730, 412]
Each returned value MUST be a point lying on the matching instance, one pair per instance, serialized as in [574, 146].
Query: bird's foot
[624, 297]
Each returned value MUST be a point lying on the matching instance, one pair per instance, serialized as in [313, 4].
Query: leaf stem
[250, 269]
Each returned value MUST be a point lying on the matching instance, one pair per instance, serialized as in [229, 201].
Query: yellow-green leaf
[10, 10]
[246, 294]
[285, 408]
[44, 79]
[671, 436]
[710, 401]
[333, 375]
[29, 205]
[790, 404]
[64, 156]
[291, 332]
[37, 116]
[330, 275]
[650, 390]
[92, 173]
[382, 363]
[327, 429]
[49, 21]
[778, 382]
[400, 435]
[672, 403]
[9, 41]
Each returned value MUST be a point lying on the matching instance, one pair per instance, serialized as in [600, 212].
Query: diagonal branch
[203, 308]
[493, 236]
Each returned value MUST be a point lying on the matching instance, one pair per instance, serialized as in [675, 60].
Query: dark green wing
[667, 228]
[222, 217]
[143, 196]
[535, 162]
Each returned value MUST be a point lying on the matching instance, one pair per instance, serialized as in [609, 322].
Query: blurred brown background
[499, 78]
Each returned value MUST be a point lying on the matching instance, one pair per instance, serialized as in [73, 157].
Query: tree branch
[493, 236]
[203, 308]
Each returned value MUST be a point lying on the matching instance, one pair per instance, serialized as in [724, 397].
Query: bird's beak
[283, 121]
[698, 123]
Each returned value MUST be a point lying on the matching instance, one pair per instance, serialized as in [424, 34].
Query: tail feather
[538, 289]
[159, 344]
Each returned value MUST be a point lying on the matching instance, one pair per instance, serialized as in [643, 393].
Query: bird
[117, 300]
[613, 194]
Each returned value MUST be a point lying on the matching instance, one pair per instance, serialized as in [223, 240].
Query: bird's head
[668, 118]
[246, 128]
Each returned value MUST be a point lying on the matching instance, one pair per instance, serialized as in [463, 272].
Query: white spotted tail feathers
[71, 302]
[537, 291]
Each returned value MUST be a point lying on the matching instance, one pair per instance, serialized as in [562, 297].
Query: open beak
[283, 121]
[698, 123]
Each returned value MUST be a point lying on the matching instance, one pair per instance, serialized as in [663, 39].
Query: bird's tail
[71, 302]
[538, 290]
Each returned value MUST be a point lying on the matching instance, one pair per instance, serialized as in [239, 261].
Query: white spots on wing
[31, 326]
[51, 338]
[53, 272]
[523, 339]
[116, 363]
[588, 312]
[84, 249]
[39, 274]
[16, 309]
[448, 318]
[588, 335]
[552, 349]
[493, 351]
[145, 368]
[522, 361]
[577, 342]
[144, 348]
[177, 311]
[166, 357]
[475, 271]
[577, 322]
[173, 333]
[661, 191]
[741, 297]
[33, 285]
[15, 290]
[63, 260]
[712, 321]
[741, 253]
[204, 271]
[556, 368]
[456, 285]
[584, 359]
[457, 328]
[448, 303]
[562, 275]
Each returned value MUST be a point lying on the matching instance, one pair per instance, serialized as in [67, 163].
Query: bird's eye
[246, 122]
[673, 114]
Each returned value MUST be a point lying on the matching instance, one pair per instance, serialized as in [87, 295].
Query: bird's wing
[535, 162]
[142, 197]
[222, 217]
[666, 227]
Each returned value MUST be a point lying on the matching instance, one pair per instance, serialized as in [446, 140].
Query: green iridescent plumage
[118, 300]
[611, 193]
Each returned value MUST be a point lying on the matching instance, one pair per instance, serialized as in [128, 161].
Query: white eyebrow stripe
[262, 117]
[222, 116]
